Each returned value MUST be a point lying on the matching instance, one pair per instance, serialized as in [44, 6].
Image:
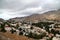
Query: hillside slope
[51, 15]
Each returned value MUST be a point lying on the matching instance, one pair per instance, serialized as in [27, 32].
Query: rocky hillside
[51, 15]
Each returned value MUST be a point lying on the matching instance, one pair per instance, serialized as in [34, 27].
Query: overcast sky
[20, 8]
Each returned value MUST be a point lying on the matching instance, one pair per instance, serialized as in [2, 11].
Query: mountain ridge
[50, 15]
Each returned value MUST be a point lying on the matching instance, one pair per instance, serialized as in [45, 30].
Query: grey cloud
[27, 7]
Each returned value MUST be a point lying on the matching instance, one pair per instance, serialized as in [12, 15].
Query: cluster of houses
[25, 29]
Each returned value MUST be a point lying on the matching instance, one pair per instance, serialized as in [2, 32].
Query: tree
[2, 28]
[31, 27]
[17, 26]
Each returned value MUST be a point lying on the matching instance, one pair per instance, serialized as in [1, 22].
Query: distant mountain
[2, 20]
[50, 15]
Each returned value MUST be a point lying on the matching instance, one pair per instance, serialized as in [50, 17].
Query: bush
[3, 30]
[36, 36]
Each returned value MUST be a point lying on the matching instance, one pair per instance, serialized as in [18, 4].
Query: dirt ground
[9, 36]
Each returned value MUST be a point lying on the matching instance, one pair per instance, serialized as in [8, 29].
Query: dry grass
[15, 37]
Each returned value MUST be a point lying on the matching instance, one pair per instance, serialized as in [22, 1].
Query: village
[49, 31]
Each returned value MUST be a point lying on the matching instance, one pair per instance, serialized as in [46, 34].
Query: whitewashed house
[7, 28]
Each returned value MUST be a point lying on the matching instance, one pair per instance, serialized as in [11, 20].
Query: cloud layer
[19, 8]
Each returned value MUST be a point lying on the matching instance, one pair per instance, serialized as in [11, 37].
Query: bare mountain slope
[51, 15]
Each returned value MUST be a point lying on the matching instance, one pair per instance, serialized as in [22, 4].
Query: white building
[8, 28]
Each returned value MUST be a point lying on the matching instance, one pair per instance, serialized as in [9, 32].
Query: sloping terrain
[2, 20]
[13, 37]
[51, 15]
